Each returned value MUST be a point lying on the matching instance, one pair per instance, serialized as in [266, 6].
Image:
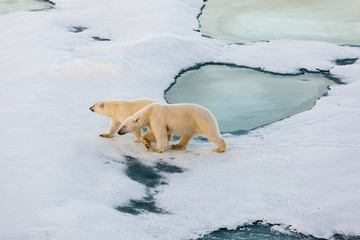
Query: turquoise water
[261, 20]
[242, 99]
[9, 6]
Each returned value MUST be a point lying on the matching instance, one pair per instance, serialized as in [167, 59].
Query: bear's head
[104, 108]
[131, 124]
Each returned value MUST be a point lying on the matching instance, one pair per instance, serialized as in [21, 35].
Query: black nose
[120, 132]
[91, 109]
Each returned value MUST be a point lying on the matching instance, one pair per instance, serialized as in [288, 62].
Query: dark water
[261, 231]
[346, 61]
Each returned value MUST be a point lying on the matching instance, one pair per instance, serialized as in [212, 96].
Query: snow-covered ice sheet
[60, 180]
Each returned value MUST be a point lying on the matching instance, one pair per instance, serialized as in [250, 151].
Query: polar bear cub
[118, 111]
[185, 120]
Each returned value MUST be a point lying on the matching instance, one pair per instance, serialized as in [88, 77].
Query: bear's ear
[101, 105]
[136, 120]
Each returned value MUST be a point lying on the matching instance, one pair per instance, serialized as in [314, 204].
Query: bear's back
[183, 118]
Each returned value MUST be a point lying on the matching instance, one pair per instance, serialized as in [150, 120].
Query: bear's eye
[101, 105]
[135, 120]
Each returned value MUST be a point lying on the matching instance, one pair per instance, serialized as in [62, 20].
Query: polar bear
[118, 111]
[185, 120]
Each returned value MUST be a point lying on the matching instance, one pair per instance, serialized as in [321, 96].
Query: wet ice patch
[242, 99]
[8, 6]
[259, 20]
[346, 61]
[77, 29]
[151, 177]
[138, 206]
[101, 39]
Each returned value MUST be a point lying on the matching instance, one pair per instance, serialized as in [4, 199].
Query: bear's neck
[121, 113]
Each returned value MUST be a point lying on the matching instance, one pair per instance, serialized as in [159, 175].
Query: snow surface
[60, 180]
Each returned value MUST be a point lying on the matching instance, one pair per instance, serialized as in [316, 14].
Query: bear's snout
[92, 108]
[122, 131]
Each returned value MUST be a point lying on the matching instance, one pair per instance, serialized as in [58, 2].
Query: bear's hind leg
[221, 146]
[219, 142]
[181, 145]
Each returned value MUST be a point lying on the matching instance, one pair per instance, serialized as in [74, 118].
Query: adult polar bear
[118, 111]
[185, 120]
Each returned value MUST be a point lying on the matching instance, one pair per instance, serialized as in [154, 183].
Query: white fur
[185, 120]
[118, 111]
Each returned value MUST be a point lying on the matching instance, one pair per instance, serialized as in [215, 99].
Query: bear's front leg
[137, 134]
[114, 126]
[161, 137]
[156, 150]
[169, 137]
[146, 143]
[148, 138]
